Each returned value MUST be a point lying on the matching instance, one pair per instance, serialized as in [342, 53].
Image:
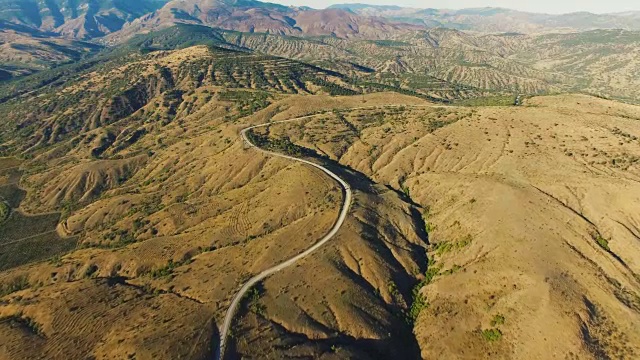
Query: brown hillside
[189, 225]
[135, 212]
[531, 212]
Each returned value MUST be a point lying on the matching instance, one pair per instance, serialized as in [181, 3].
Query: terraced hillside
[600, 62]
[25, 50]
[406, 57]
[117, 93]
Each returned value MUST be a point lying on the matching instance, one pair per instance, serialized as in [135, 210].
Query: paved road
[224, 331]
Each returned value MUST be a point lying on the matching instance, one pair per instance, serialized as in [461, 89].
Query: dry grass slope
[559, 269]
[514, 229]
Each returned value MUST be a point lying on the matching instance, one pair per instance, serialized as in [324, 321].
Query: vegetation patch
[19, 320]
[428, 227]
[253, 300]
[176, 37]
[332, 88]
[246, 102]
[38, 248]
[117, 238]
[5, 211]
[419, 302]
[488, 101]
[389, 43]
[168, 269]
[499, 319]
[602, 242]
[394, 292]
[444, 247]
[492, 335]
[281, 145]
[19, 227]
[454, 269]
[18, 283]
[404, 188]
[12, 195]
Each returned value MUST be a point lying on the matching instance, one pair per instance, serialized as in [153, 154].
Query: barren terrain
[532, 246]
[486, 222]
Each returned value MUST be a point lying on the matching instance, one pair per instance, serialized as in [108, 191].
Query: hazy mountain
[24, 50]
[88, 19]
[359, 7]
[259, 17]
[499, 19]
[80, 19]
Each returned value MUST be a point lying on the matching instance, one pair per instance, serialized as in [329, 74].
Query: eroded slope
[531, 211]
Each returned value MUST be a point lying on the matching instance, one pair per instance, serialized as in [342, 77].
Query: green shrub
[447, 246]
[454, 269]
[56, 261]
[602, 242]
[492, 334]
[5, 211]
[393, 290]
[498, 320]
[253, 297]
[90, 271]
[168, 269]
[165, 270]
[419, 302]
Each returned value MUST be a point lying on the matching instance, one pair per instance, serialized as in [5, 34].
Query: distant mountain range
[497, 19]
[80, 19]
[525, 52]
[90, 19]
[259, 17]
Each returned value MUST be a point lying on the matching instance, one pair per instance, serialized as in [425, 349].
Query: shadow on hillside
[399, 345]
[26, 239]
[214, 342]
[361, 182]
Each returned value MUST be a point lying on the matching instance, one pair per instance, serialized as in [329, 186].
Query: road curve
[224, 331]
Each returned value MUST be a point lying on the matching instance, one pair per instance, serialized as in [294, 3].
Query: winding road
[224, 331]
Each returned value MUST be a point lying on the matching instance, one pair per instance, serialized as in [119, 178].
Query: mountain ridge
[499, 19]
[95, 19]
[81, 19]
[263, 18]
